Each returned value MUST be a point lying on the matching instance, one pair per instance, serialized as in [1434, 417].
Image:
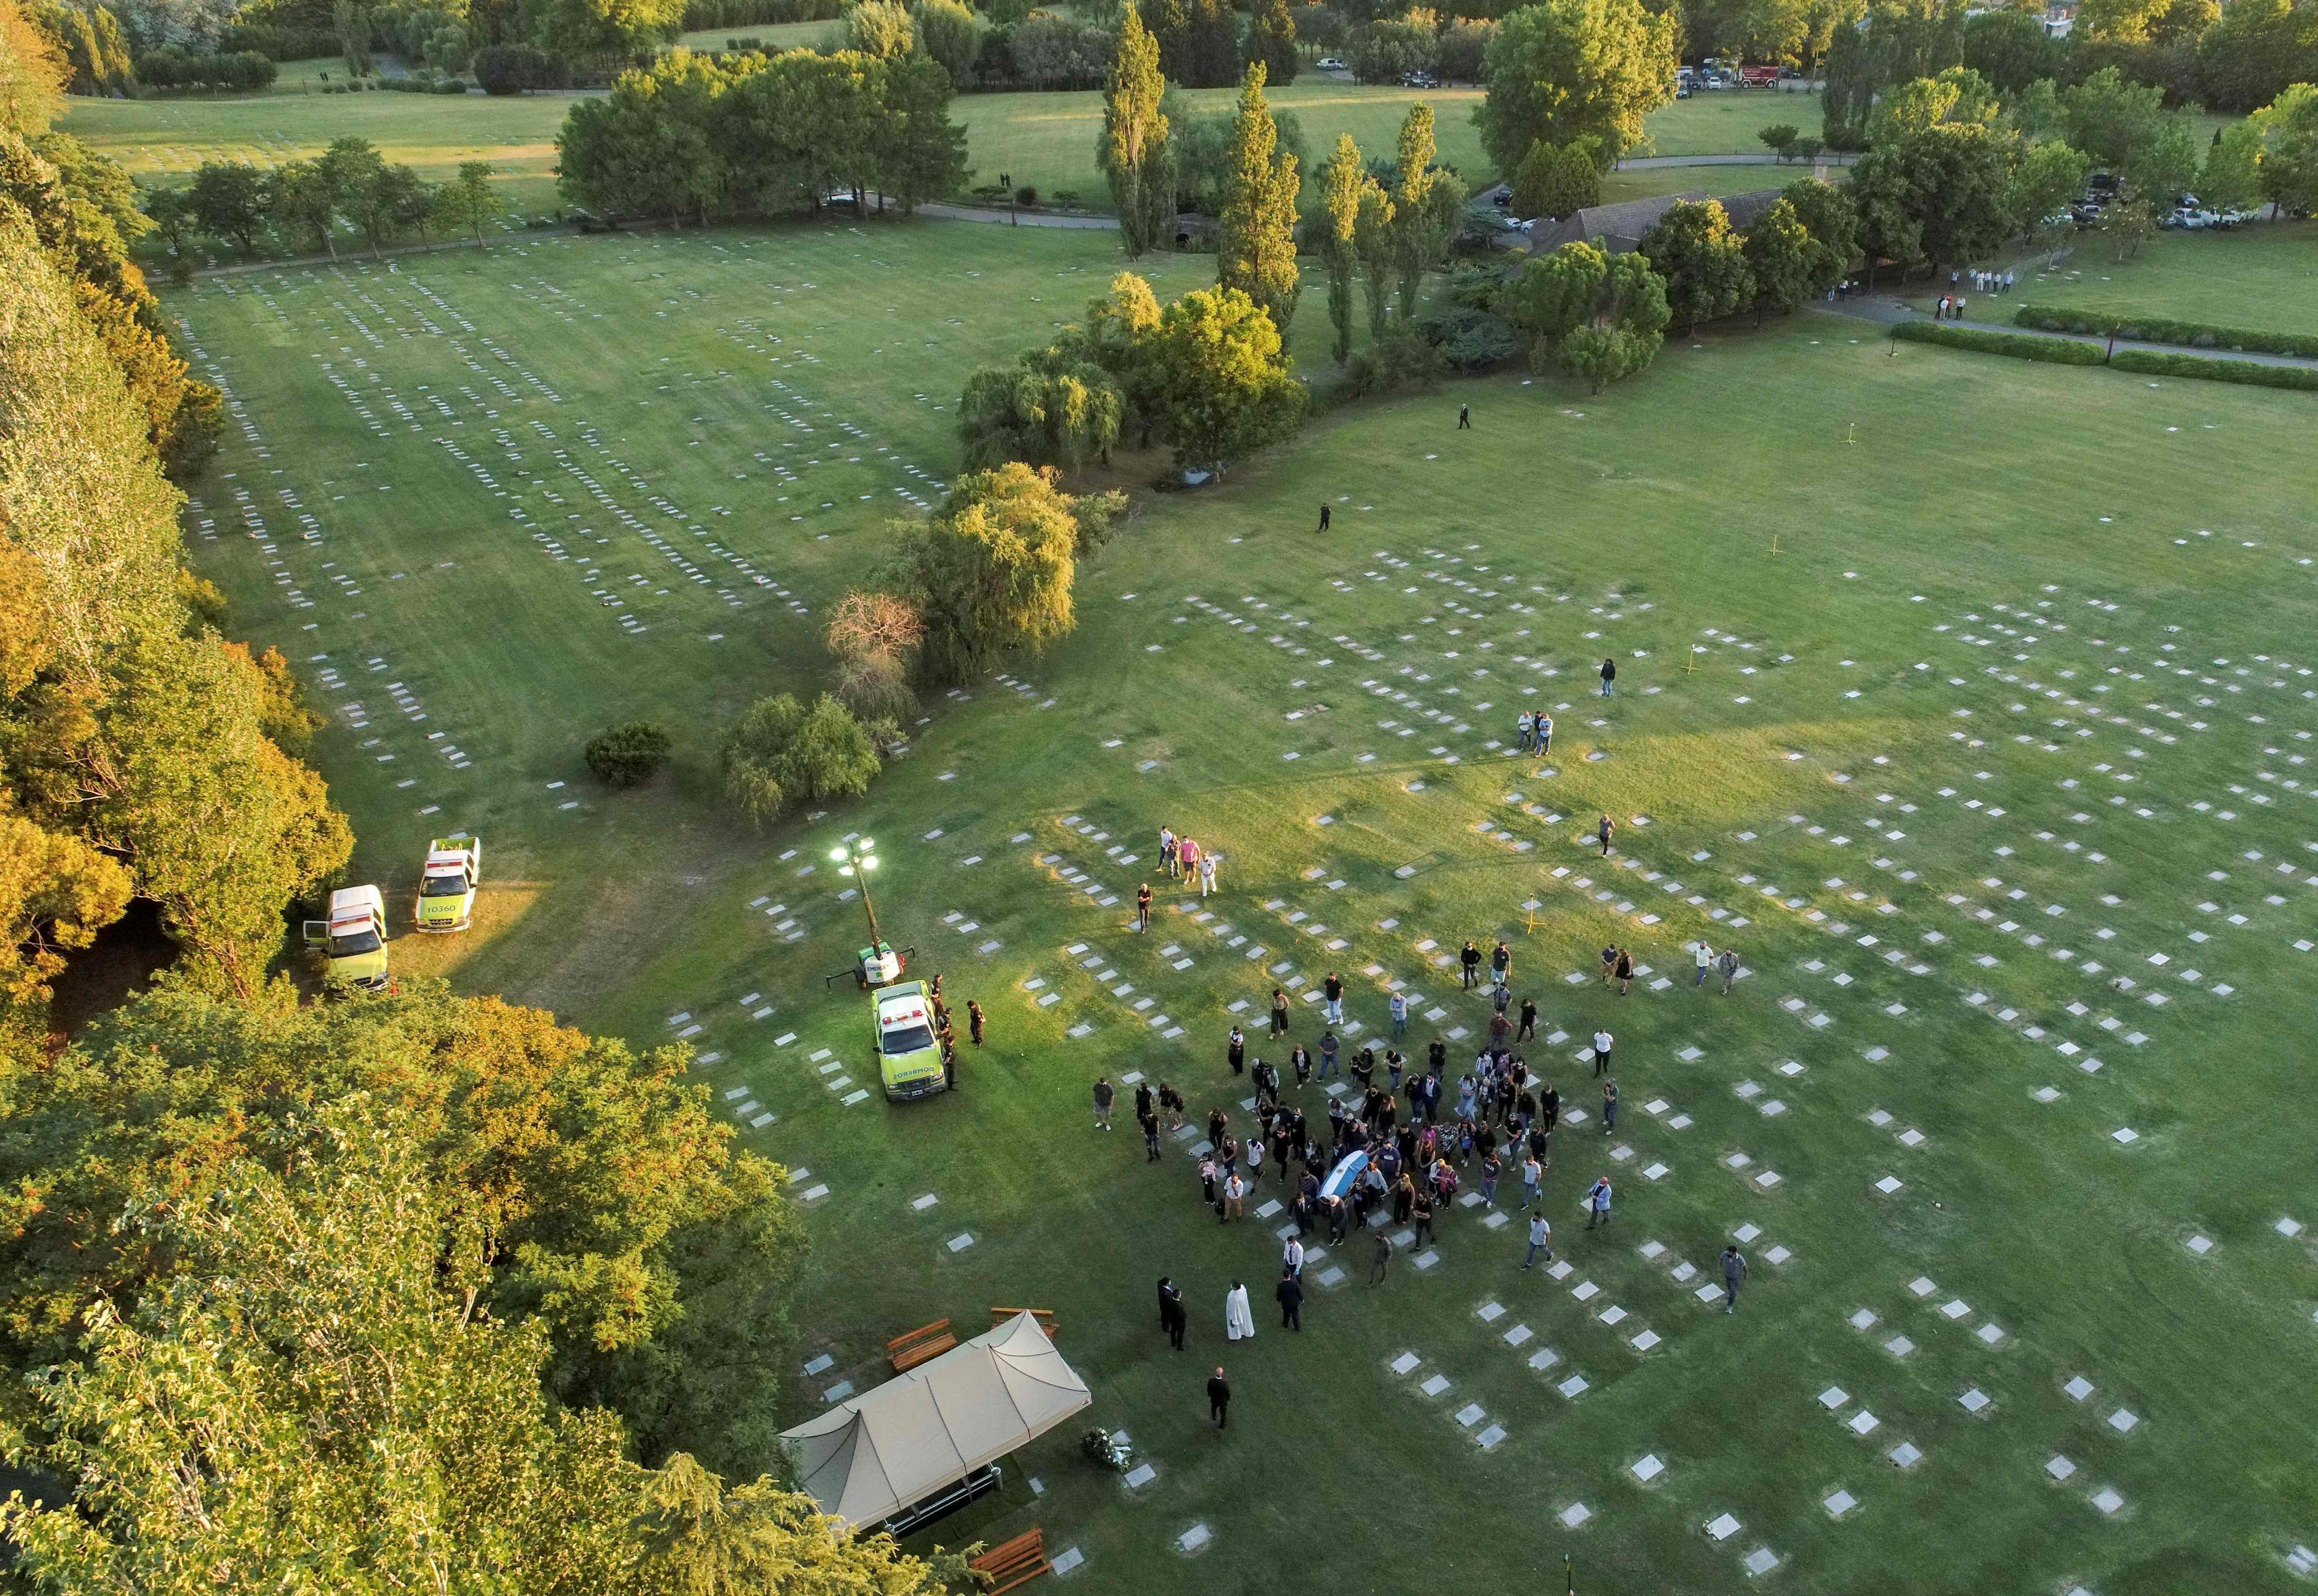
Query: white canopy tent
[875, 1454]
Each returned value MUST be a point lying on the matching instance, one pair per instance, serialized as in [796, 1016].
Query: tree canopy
[1571, 69]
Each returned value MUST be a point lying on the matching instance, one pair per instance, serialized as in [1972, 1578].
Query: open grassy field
[773, 36]
[2261, 275]
[1992, 774]
[1047, 140]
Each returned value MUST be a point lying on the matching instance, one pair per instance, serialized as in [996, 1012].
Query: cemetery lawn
[2262, 276]
[2017, 710]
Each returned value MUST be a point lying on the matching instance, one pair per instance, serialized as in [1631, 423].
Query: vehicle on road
[1332, 64]
[911, 1063]
[447, 882]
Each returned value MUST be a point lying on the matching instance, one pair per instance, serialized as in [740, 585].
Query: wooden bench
[1045, 1316]
[926, 1341]
[1014, 1563]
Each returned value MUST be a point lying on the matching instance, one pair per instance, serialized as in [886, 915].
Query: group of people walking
[1184, 860]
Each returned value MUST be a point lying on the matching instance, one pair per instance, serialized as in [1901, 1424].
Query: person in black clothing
[1471, 960]
[974, 1020]
[1464, 418]
[1527, 1031]
[1267, 1084]
[1436, 1056]
[1235, 1051]
[1292, 1301]
[1150, 1124]
[1143, 907]
[1219, 1399]
[1323, 517]
[1605, 829]
[1608, 674]
[1173, 1319]
[1143, 1101]
[1548, 1106]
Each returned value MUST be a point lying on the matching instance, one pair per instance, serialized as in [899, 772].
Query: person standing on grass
[1188, 852]
[1603, 1041]
[1501, 964]
[1527, 1030]
[1625, 971]
[1102, 1100]
[1545, 732]
[1727, 962]
[1470, 959]
[1325, 517]
[1172, 1101]
[1705, 955]
[1492, 1167]
[1292, 1256]
[1234, 1196]
[1207, 874]
[1609, 1106]
[1219, 1398]
[1734, 1271]
[1143, 907]
[1524, 727]
[1464, 418]
[1329, 1048]
[1172, 1316]
[1382, 1260]
[1279, 1012]
[1597, 1203]
[1150, 1123]
[974, 1020]
[1167, 850]
[1609, 961]
[1532, 1180]
[1399, 1006]
[1608, 674]
[1254, 1162]
[1541, 1240]
[1421, 1211]
[1332, 991]
[1235, 1051]
[1145, 1104]
[1606, 829]
[1290, 1294]
[1302, 1062]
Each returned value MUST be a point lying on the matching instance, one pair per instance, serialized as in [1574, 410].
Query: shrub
[2057, 350]
[629, 755]
[780, 752]
[2161, 329]
[1026, 195]
[1404, 360]
[236, 72]
[2157, 364]
[511, 68]
[1469, 339]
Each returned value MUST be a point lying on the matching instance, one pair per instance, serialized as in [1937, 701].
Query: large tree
[1218, 380]
[1693, 250]
[1943, 192]
[1375, 238]
[1598, 317]
[2289, 149]
[1336, 224]
[1134, 152]
[138, 732]
[1832, 222]
[1778, 254]
[1255, 253]
[991, 572]
[1570, 69]
[1271, 39]
[923, 153]
[610, 1206]
[1049, 408]
[317, 1399]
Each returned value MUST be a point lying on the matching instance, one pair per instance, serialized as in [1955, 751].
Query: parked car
[1419, 80]
[1330, 64]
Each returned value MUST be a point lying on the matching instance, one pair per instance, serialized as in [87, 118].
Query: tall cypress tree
[1257, 254]
[1134, 155]
[1412, 215]
[1271, 39]
[1340, 198]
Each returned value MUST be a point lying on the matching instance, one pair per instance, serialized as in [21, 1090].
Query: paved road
[1888, 312]
[1015, 218]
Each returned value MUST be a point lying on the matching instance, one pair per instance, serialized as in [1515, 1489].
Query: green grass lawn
[2013, 716]
[2261, 275]
[1047, 140]
[772, 36]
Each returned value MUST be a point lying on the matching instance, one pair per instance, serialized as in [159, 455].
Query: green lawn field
[1047, 140]
[2261, 275]
[772, 36]
[1968, 700]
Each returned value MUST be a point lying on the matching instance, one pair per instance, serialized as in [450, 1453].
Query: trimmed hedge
[2019, 346]
[237, 72]
[510, 69]
[2161, 329]
[2155, 363]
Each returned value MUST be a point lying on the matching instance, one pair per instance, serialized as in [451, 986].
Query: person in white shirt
[1207, 874]
[1541, 1240]
[1705, 956]
[1291, 1256]
[1602, 1042]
